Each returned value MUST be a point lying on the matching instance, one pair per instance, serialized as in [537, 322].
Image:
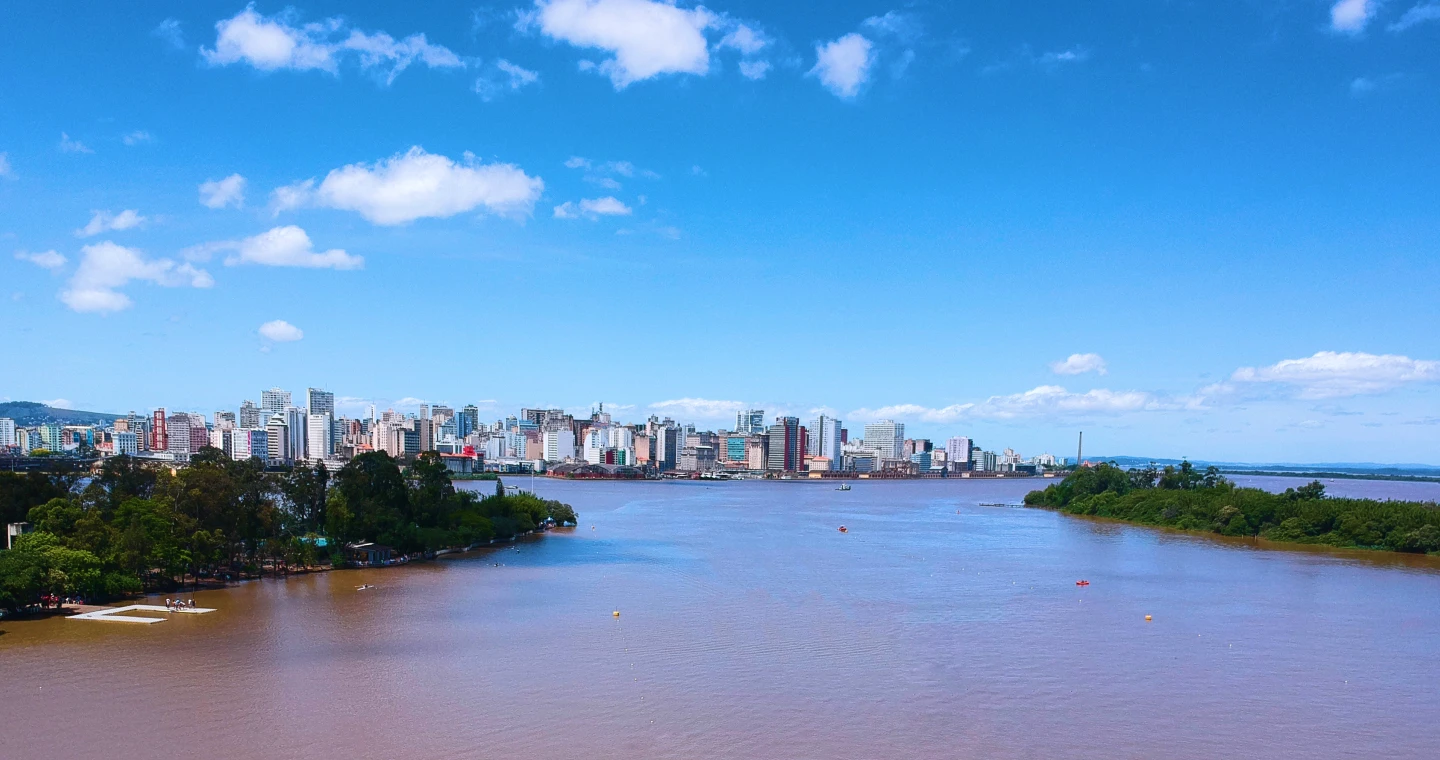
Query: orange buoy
[1147, 618]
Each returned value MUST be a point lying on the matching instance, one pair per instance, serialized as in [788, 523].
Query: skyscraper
[319, 436]
[469, 420]
[249, 415]
[885, 437]
[957, 451]
[750, 421]
[825, 440]
[787, 451]
[7, 432]
[159, 436]
[274, 400]
[319, 402]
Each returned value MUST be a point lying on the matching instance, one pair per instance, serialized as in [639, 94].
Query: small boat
[1082, 583]
[366, 587]
[844, 529]
[844, 487]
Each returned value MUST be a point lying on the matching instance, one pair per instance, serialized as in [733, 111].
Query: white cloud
[1044, 401]
[576, 162]
[137, 137]
[72, 146]
[843, 65]
[1351, 16]
[699, 408]
[169, 30]
[1418, 14]
[905, 27]
[1073, 55]
[1079, 364]
[754, 69]
[59, 403]
[645, 38]
[104, 221]
[1330, 374]
[219, 193]
[51, 260]
[279, 247]
[506, 78]
[107, 267]
[281, 42]
[592, 208]
[416, 185]
[746, 39]
[281, 331]
[5, 170]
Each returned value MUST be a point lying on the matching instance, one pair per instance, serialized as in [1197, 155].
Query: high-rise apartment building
[159, 434]
[957, 451]
[469, 420]
[559, 445]
[249, 415]
[277, 434]
[825, 440]
[319, 402]
[124, 443]
[225, 420]
[274, 400]
[319, 436]
[7, 432]
[296, 426]
[885, 437]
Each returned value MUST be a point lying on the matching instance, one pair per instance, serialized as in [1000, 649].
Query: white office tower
[249, 415]
[278, 439]
[885, 437]
[320, 402]
[824, 433]
[957, 450]
[7, 432]
[559, 445]
[274, 400]
[126, 443]
[319, 437]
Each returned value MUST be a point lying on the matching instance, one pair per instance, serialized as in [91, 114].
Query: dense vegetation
[136, 527]
[1183, 497]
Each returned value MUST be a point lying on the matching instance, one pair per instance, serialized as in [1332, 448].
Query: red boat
[844, 529]
[1082, 583]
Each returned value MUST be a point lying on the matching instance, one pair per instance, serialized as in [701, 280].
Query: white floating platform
[116, 614]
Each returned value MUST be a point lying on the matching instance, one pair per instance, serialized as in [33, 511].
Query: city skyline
[1190, 231]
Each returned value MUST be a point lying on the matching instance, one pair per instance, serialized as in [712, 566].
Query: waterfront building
[825, 439]
[696, 459]
[249, 415]
[921, 460]
[957, 451]
[319, 402]
[274, 400]
[787, 445]
[559, 445]
[885, 437]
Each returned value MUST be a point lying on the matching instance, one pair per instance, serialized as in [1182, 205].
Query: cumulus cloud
[280, 331]
[51, 260]
[505, 78]
[416, 185]
[699, 408]
[1331, 374]
[1417, 14]
[1351, 16]
[843, 65]
[644, 38]
[287, 246]
[104, 221]
[750, 42]
[592, 208]
[1079, 364]
[72, 146]
[137, 137]
[219, 193]
[107, 267]
[272, 43]
[1044, 401]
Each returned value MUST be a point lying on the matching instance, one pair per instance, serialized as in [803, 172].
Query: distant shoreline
[1336, 475]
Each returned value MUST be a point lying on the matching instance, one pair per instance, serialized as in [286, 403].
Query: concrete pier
[116, 614]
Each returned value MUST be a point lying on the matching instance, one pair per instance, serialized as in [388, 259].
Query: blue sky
[1203, 229]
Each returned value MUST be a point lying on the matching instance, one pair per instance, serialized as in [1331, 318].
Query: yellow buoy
[1147, 617]
[617, 613]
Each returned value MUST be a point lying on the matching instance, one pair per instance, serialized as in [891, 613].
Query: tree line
[1186, 498]
[136, 527]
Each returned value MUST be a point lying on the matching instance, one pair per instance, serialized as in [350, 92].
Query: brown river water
[751, 627]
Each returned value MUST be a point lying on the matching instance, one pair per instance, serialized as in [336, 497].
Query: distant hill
[27, 413]
[1349, 468]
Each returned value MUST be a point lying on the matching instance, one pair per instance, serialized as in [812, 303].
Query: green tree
[39, 564]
